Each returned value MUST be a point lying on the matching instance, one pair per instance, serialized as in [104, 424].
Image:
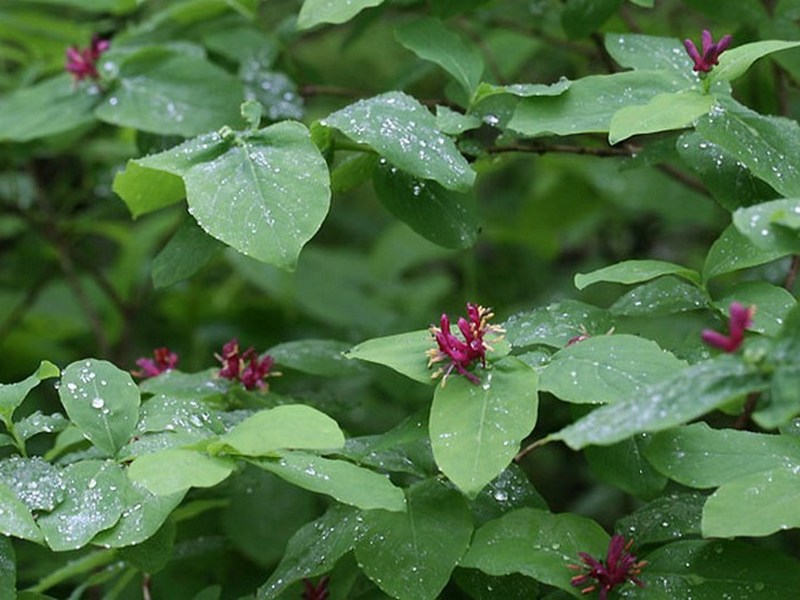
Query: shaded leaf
[634, 271]
[665, 519]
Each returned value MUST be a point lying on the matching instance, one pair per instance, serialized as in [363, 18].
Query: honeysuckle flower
[246, 367]
[315, 592]
[704, 62]
[163, 360]
[740, 319]
[82, 63]
[462, 354]
[619, 567]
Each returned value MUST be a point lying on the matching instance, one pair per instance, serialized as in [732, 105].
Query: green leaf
[634, 271]
[624, 466]
[410, 555]
[582, 17]
[665, 519]
[590, 103]
[315, 357]
[607, 368]
[8, 572]
[734, 63]
[406, 353]
[143, 515]
[476, 430]
[175, 470]
[282, 427]
[783, 402]
[773, 303]
[315, 12]
[556, 324]
[431, 40]
[773, 495]
[92, 503]
[16, 518]
[50, 107]
[701, 457]
[188, 251]
[171, 93]
[522, 90]
[647, 52]
[663, 112]
[733, 251]
[38, 484]
[144, 189]
[761, 225]
[663, 296]
[445, 217]
[37, 423]
[731, 183]
[153, 554]
[454, 123]
[535, 543]
[480, 586]
[760, 143]
[710, 570]
[404, 132]
[102, 401]
[687, 395]
[509, 491]
[341, 480]
[314, 549]
[14, 394]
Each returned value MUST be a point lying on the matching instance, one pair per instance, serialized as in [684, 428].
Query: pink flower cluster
[163, 360]
[705, 61]
[82, 63]
[619, 567]
[462, 354]
[740, 319]
[245, 367]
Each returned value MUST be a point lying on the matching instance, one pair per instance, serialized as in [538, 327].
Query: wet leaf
[772, 304]
[647, 52]
[665, 519]
[734, 63]
[404, 132]
[37, 483]
[624, 466]
[37, 423]
[733, 251]
[8, 572]
[315, 12]
[556, 324]
[16, 519]
[522, 90]
[410, 555]
[535, 543]
[476, 430]
[663, 296]
[176, 470]
[763, 225]
[607, 368]
[507, 492]
[634, 271]
[102, 401]
[339, 479]
[663, 112]
[582, 17]
[93, 502]
[325, 358]
[404, 352]
[783, 402]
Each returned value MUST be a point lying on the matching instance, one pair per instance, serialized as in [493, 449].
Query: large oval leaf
[476, 429]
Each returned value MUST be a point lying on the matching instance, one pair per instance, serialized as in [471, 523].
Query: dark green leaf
[783, 402]
[662, 296]
[315, 357]
[772, 304]
[624, 466]
[16, 518]
[188, 251]
[13, 394]
[480, 586]
[761, 225]
[507, 492]
[664, 519]
[582, 17]
[8, 571]
[556, 324]
[410, 555]
[647, 52]
[154, 553]
[734, 251]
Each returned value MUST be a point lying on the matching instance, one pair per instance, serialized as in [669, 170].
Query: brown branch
[538, 148]
[691, 182]
[791, 276]
[529, 448]
[743, 420]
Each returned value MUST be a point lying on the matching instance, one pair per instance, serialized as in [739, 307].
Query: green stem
[73, 569]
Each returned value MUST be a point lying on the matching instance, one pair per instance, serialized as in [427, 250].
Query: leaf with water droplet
[556, 324]
[734, 63]
[681, 512]
[403, 352]
[102, 401]
[535, 543]
[339, 479]
[443, 216]
[476, 430]
[733, 251]
[772, 304]
[402, 130]
[93, 502]
[624, 466]
[648, 52]
[16, 518]
[662, 296]
[316, 357]
[37, 483]
[315, 12]
[508, 491]
[410, 555]
[634, 271]
[762, 226]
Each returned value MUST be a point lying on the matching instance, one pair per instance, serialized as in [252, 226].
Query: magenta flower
[163, 360]
[619, 567]
[704, 62]
[83, 63]
[245, 367]
[316, 592]
[740, 319]
[462, 354]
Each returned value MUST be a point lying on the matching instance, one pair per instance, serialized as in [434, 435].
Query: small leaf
[772, 304]
[315, 12]
[176, 470]
[647, 52]
[476, 430]
[404, 352]
[663, 296]
[431, 40]
[535, 543]
[665, 519]
[410, 555]
[16, 518]
[733, 251]
[522, 90]
[442, 216]
[634, 271]
[152, 554]
[760, 225]
[284, 427]
[14, 394]
[783, 402]
[734, 63]
[102, 401]
[686, 395]
[339, 479]
[37, 483]
[403, 131]
[92, 503]
[556, 324]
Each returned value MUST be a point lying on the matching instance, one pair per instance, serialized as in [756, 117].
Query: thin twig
[743, 420]
[529, 448]
[687, 180]
[537, 148]
[791, 276]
